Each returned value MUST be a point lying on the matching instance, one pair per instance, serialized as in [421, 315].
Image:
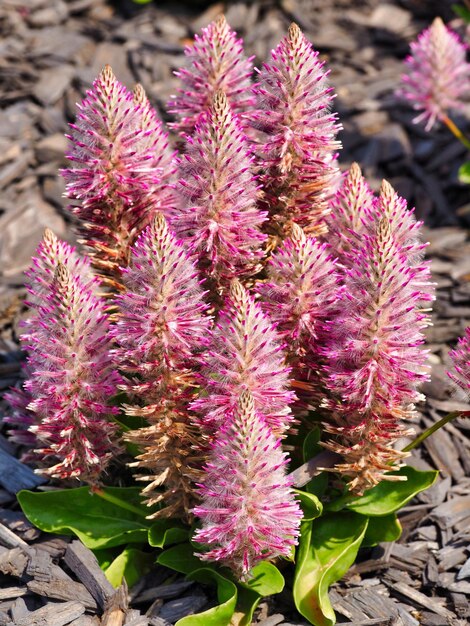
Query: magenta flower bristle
[162, 325]
[437, 75]
[244, 354]
[297, 154]
[460, 372]
[217, 216]
[216, 63]
[121, 172]
[248, 510]
[374, 358]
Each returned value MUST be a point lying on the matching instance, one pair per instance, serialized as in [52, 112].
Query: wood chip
[54, 614]
[15, 476]
[422, 600]
[83, 563]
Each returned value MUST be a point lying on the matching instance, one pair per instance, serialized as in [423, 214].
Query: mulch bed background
[50, 51]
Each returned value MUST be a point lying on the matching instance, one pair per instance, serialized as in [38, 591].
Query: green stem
[455, 130]
[432, 429]
[117, 501]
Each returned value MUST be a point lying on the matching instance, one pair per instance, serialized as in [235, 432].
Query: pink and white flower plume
[121, 172]
[245, 354]
[300, 296]
[460, 372]
[73, 378]
[248, 510]
[374, 359]
[437, 75]
[216, 63]
[161, 326]
[217, 216]
[297, 151]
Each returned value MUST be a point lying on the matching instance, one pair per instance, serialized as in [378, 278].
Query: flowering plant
[437, 80]
[244, 328]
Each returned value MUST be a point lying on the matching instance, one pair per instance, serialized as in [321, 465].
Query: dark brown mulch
[50, 52]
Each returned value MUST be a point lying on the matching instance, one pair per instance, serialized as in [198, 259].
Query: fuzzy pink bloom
[297, 153]
[352, 213]
[122, 168]
[248, 511]
[50, 252]
[300, 295]
[72, 380]
[161, 325]
[218, 217]
[438, 75]
[244, 354]
[217, 63]
[375, 361]
[460, 372]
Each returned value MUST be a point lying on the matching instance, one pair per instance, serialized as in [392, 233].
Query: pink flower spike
[244, 354]
[248, 510]
[352, 212]
[300, 295]
[218, 217]
[121, 169]
[162, 325]
[72, 379]
[297, 154]
[217, 63]
[460, 373]
[374, 360]
[437, 75]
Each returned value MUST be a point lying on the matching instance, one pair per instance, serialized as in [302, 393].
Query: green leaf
[220, 615]
[380, 529]
[266, 581]
[97, 522]
[462, 12]
[165, 532]
[389, 496]
[327, 549]
[464, 170]
[311, 505]
[180, 558]
[312, 447]
[131, 564]
[105, 557]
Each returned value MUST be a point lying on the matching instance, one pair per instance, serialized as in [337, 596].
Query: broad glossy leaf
[165, 532]
[328, 547]
[131, 564]
[390, 496]
[380, 529]
[97, 522]
[464, 170]
[311, 505]
[220, 615]
[180, 558]
[267, 580]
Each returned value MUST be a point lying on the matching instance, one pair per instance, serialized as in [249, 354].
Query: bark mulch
[50, 52]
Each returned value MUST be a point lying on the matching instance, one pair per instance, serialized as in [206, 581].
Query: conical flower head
[374, 357]
[460, 373]
[437, 75]
[244, 354]
[300, 295]
[217, 63]
[121, 168]
[72, 379]
[298, 151]
[352, 213]
[218, 217]
[248, 510]
[161, 326]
